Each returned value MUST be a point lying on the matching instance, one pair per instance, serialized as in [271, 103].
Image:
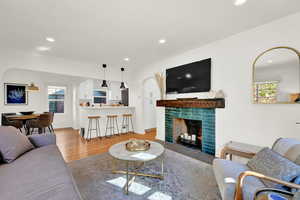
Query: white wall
[232, 72]
[37, 101]
[150, 95]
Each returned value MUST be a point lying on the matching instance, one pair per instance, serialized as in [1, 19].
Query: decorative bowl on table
[137, 145]
[27, 112]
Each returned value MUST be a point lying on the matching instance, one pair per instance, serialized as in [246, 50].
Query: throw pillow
[13, 143]
[272, 164]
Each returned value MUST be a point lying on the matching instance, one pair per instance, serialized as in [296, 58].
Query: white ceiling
[108, 31]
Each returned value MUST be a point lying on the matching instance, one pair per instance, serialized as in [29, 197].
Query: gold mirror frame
[253, 71]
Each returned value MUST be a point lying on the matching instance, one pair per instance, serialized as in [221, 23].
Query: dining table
[23, 118]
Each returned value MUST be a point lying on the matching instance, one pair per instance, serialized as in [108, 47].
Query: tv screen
[189, 78]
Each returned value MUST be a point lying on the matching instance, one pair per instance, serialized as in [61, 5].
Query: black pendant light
[122, 83]
[104, 83]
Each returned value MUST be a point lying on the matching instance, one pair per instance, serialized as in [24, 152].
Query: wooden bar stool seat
[94, 117]
[126, 124]
[90, 128]
[112, 126]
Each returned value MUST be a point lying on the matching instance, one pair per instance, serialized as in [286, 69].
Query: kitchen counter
[85, 112]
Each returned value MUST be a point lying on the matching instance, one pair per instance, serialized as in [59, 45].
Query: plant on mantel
[160, 79]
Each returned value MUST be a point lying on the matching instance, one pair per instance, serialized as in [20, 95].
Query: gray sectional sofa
[39, 174]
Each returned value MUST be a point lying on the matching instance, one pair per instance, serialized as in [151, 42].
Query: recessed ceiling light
[43, 48]
[239, 2]
[50, 39]
[162, 41]
[126, 59]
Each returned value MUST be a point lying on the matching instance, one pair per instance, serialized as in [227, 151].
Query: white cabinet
[115, 92]
[86, 89]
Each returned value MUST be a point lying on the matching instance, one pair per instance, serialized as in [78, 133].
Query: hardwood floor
[73, 147]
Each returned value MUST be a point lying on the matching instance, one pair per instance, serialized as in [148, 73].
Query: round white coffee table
[119, 152]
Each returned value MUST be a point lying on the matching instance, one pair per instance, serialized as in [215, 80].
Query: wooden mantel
[192, 103]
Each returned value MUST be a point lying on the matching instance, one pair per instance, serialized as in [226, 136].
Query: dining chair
[50, 127]
[7, 122]
[41, 123]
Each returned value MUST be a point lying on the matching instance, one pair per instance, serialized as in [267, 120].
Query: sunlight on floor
[135, 188]
[159, 196]
[139, 189]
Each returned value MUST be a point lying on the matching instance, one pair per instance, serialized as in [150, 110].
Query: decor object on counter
[216, 94]
[137, 145]
[27, 112]
[220, 94]
[122, 83]
[160, 79]
[32, 88]
[104, 83]
[15, 94]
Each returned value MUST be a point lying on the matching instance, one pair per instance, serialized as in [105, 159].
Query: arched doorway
[150, 95]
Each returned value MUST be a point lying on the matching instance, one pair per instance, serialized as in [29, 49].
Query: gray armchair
[236, 181]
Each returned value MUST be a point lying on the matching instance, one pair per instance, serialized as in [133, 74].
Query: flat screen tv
[189, 78]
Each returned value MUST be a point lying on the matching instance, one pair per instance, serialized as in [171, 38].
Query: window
[56, 99]
[265, 92]
[99, 96]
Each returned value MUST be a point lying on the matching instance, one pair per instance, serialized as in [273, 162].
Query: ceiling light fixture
[162, 41]
[126, 59]
[122, 83]
[43, 48]
[239, 2]
[50, 39]
[104, 83]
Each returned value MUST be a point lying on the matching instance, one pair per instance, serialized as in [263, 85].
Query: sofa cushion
[272, 164]
[13, 143]
[227, 172]
[40, 140]
[38, 174]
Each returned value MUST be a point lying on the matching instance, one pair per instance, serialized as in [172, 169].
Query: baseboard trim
[150, 130]
[60, 129]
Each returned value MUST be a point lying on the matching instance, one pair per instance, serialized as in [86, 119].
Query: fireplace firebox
[191, 126]
[188, 132]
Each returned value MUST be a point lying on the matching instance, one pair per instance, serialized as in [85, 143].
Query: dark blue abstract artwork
[15, 93]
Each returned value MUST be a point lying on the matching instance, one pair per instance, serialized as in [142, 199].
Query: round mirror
[276, 76]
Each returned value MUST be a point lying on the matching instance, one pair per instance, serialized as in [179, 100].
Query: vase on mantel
[160, 79]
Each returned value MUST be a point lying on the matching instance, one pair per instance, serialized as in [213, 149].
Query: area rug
[185, 179]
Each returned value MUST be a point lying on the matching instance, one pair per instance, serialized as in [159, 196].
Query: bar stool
[90, 128]
[111, 125]
[125, 123]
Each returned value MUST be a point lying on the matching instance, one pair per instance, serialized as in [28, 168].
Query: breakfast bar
[103, 112]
